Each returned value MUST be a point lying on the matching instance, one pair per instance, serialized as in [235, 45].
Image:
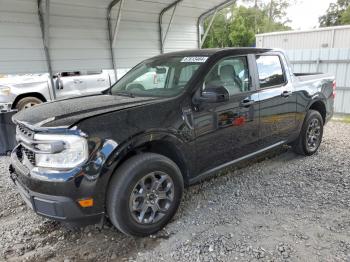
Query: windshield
[159, 77]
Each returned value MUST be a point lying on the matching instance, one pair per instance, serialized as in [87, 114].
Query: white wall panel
[20, 37]
[330, 37]
[78, 34]
[335, 61]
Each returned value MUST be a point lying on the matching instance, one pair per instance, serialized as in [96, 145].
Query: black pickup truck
[173, 120]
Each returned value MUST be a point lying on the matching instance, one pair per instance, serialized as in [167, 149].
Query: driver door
[228, 130]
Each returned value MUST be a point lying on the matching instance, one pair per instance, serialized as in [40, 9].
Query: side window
[270, 71]
[231, 73]
[186, 73]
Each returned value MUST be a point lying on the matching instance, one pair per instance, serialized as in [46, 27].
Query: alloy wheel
[313, 135]
[151, 198]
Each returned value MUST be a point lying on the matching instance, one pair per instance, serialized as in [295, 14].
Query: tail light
[334, 87]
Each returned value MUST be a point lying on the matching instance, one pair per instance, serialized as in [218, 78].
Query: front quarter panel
[40, 87]
[133, 127]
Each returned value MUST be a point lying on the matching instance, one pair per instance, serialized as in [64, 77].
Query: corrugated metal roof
[78, 33]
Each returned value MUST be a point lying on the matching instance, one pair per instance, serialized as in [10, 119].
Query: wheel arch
[161, 143]
[32, 94]
[320, 106]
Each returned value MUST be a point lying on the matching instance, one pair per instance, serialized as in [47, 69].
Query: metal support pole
[47, 23]
[169, 25]
[45, 37]
[208, 13]
[111, 34]
[208, 29]
[116, 28]
[160, 22]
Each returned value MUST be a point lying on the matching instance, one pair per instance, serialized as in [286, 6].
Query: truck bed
[305, 77]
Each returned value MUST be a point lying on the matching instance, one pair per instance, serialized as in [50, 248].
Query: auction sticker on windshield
[194, 59]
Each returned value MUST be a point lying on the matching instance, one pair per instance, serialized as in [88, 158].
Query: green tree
[334, 14]
[237, 26]
[241, 34]
[345, 17]
[270, 16]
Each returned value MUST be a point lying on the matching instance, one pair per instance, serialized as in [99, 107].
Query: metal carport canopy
[77, 34]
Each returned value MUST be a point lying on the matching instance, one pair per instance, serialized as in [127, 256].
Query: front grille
[23, 153]
[30, 155]
[19, 153]
[24, 131]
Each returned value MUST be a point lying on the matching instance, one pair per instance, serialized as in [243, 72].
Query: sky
[305, 13]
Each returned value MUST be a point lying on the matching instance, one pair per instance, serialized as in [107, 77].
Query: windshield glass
[159, 77]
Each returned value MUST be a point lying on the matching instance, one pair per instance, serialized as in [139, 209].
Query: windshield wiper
[121, 93]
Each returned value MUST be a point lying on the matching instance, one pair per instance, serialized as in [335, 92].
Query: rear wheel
[144, 194]
[311, 134]
[27, 102]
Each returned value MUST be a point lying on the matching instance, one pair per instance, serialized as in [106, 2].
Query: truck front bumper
[55, 207]
[57, 197]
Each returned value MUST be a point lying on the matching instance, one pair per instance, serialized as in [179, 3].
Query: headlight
[5, 91]
[75, 151]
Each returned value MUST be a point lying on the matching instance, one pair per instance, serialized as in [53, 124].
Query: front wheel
[27, 102]
[311, 134]
[144, 194]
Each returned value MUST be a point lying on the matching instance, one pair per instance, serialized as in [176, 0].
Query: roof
[213, 51]
[76, 33]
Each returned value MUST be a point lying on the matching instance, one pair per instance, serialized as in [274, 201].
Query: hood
[65, 113]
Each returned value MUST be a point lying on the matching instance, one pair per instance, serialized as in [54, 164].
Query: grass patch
[342, 118]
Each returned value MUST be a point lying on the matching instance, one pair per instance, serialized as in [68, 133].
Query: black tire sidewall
[124, 181]
[312, 114]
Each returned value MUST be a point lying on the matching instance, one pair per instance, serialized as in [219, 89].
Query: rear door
[228, 130]
[277, 99]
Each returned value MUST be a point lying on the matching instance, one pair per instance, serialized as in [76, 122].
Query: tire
[130, 190]
[27, 102]
[301, 145]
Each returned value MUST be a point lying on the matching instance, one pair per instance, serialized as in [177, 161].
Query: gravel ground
[285, 208]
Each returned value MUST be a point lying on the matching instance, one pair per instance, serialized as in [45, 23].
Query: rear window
[270, 71]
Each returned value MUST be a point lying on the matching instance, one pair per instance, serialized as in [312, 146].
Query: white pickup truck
[20, 92]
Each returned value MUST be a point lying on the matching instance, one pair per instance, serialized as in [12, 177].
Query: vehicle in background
[26, 91]
[151, 80]
[127, 153]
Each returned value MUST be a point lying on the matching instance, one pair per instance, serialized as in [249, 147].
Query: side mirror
[58, 83]
[214, 94]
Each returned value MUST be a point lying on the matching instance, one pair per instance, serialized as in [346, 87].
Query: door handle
[247, 103]
[187, 116]
[77, 81]
[101, 80]
[286, 93]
